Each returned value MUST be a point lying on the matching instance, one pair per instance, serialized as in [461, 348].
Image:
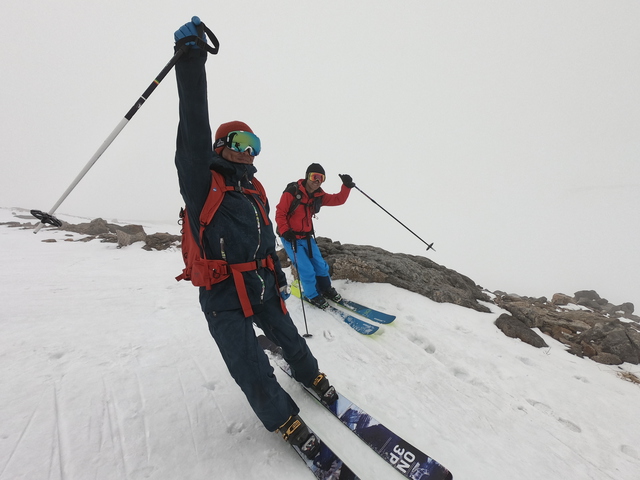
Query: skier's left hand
[285, 292]
[347, 181]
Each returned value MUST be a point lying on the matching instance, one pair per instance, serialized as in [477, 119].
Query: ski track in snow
[111, 373]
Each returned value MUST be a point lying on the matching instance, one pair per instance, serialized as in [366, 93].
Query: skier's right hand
[189, 30]
[289, 236]
[285, 292]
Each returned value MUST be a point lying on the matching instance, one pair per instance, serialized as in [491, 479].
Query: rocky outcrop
[587, 324]
[367, 264]
[161, 241]
[123, 235]
[514, 328]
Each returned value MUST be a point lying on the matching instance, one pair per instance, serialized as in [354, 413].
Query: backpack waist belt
[305, 236]
[308, 234]
[206, 273]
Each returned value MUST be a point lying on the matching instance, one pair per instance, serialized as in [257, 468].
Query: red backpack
[203, 272]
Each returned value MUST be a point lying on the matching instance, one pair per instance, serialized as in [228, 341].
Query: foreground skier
[240, 235]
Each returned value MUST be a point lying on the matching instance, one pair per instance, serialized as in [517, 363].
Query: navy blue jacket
[237, 233]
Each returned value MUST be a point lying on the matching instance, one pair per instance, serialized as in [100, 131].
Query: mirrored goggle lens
[244, 142]
[316, 177]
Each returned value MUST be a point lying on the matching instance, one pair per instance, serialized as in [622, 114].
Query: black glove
[289, 236]
[347, 181]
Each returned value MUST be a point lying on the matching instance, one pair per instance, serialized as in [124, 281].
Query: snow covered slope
[108, 372]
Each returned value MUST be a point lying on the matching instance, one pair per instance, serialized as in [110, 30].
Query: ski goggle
[239, 141]
[316, 177]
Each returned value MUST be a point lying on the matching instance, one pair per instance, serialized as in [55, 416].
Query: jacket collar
[232, 171]
[302, 188]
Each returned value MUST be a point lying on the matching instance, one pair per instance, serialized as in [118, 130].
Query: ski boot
[319, 302]
[332, 295]
[324, 389]
[295, 432]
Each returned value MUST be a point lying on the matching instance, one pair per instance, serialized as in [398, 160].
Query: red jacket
[300, 221]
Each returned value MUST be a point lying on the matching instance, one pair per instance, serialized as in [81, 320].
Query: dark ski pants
[249, 365]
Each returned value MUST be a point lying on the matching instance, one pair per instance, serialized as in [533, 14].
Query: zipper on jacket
[223, 254]
[255, 254]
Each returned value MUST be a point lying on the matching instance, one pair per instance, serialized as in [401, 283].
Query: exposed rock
[367, 264]
[588, 350]
[593, 332]
[626, 308]
[561, 299]
[123, 235]
[93, 228]
[161, 241]
[634, 336]
[607, 359]
[125, 239]
[514, 328]
[618, 343]
[107, 238]
[588, 295]
[284, 258]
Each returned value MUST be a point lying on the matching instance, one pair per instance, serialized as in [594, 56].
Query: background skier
[240, 234]
[300, 201]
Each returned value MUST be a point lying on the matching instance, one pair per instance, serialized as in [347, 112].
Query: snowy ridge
[109, 372]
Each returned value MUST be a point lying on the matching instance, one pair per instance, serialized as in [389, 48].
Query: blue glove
[285, 292]
[189, 30]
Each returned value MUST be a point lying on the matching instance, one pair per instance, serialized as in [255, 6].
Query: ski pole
[180, 49]
[294, 247]
[429, 245]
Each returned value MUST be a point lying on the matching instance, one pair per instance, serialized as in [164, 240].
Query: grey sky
[505, 132]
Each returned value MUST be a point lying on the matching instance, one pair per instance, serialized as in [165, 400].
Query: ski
[358, 325]
[366, 312]
[326, 465]
[401, 455]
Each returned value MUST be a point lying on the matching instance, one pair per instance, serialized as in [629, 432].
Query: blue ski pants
[312, 268]
[249, 365]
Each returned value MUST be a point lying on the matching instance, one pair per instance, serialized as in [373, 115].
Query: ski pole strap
[213, 49]
[46, 218]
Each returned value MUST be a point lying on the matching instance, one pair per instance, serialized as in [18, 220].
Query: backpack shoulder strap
[261, 191]
[216, 193]
[294, 190]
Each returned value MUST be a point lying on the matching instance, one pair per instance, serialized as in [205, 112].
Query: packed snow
[109, 372]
